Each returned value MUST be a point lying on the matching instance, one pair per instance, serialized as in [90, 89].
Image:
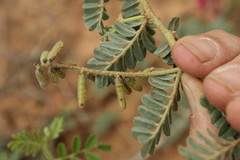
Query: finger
[200, 119]
[233, 112]
[198, 55]
[223, 84]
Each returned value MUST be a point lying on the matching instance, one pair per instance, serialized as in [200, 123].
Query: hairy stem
[158, 23]
[109, 73]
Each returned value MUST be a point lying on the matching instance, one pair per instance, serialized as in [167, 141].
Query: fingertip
[233, 112]
[198, 55]
[187, 61]
[217, 94]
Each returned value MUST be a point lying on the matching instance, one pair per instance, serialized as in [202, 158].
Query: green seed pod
[132, 83]
[53, 77]
[54, 51]
[41, 78]
[43, 57]
[81, 90]
[126, 89]
[58, 72]
[120, 93]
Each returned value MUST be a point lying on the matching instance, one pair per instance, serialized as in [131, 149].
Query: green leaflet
[159, 83]
[149, 113]
[141, 134]
[156, 112]
[130, 59]
[131, 13]
[94, 14]
[153, 104]
[129, 4]
[124, 29]
[61, 150]
[103, 54]
[148, 41]
[118, 39]
[145, 123]
[76, 144]
[96, 64]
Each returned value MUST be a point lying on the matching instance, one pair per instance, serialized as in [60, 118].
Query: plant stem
[158, 23]
[110, 73]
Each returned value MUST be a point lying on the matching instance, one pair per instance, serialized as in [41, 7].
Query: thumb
[199, 119]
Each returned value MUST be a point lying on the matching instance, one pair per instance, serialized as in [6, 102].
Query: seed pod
[43, 57]
[41, 78]
[126, 89]
[81, 90]
[132, 83]
[53, 77]
[120, 93]
[58, 72]
[54, 51]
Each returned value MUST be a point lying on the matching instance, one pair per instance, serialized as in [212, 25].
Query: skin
[211, 65]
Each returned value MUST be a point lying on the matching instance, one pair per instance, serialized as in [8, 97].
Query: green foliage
[211, 147]
[40, 141]
[94, 14]
[218, 118]
[156, 114]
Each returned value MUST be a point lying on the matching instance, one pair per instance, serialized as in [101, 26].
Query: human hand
[214, 57]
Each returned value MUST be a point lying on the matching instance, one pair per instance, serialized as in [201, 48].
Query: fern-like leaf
[94, 14]
[31, 144]
[218, 118]
[210, 147]
[120, 51]
[156, 111]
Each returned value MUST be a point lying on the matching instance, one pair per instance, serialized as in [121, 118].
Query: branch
[109, 73]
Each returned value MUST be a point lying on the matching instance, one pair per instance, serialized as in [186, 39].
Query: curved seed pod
[58, 72]
[43, 57]
[41, 78]
[53, 77]
[54, 51]
[132, 83]
[126, 89]
[120, 93]
[81, 90]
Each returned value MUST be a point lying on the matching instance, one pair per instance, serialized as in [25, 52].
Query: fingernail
[202, 47]
[229, 76]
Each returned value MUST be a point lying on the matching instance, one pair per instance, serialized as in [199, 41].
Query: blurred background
[27, 27]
